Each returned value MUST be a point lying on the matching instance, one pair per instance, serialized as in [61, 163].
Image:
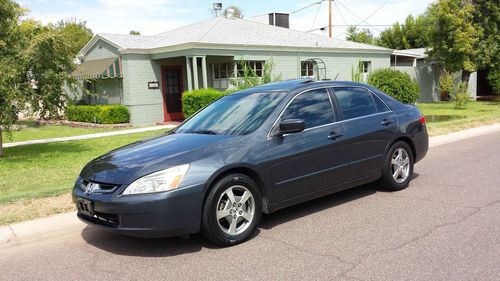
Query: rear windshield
[236, 114]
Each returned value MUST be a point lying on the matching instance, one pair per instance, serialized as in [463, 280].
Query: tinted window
[381, 107]
[355, 102]
[235, 114]
[313, 107]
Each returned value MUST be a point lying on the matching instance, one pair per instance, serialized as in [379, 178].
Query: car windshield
[236, 114]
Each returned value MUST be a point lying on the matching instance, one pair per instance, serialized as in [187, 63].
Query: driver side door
[311, 160]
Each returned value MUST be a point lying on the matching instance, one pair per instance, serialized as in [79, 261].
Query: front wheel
[398, 167]
[232, 211]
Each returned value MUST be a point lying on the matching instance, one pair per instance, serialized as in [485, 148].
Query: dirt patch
[28, 209]
[75, 124]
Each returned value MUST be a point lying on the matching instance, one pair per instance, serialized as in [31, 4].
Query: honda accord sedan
[252, 152]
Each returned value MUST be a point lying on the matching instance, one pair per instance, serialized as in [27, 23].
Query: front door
[172, 92]
[312, 160]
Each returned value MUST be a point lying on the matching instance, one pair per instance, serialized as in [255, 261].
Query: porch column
[204, 71]
[195, 72]
[189, 74]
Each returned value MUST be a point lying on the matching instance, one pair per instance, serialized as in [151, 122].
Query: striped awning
[99, 69]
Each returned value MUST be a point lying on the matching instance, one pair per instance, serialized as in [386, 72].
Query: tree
[454, 38]
[361, 36]
[134, 32]
[235, 11]
[414, 33]
[487, 18]
[76, 33]
[35, 63]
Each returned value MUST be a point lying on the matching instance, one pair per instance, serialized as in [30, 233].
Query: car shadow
[165, 247]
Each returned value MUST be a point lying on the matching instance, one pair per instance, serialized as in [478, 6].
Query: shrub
[445, 84]
[249, 78]
[102, 114]
[395, 83]
[197, 99]
[460, 96]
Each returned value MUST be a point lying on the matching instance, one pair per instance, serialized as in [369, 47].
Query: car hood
[126, 164]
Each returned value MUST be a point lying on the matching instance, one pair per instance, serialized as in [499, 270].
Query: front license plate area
[85, 207]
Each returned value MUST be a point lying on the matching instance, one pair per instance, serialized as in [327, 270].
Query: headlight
[163, 180]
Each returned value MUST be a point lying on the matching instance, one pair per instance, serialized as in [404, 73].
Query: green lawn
[476, 114]
[43, 170]
[33, 131]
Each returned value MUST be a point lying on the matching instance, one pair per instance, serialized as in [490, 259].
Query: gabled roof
[233, 31]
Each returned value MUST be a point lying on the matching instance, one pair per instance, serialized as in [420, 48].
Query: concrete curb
[60, 222]
[464, 134]
[90, 136]
[51, 224]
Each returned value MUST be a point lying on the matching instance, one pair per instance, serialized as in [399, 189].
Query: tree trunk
[1, 143]
[465, 76]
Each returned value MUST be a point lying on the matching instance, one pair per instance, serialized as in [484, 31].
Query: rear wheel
[232, 210]
[398, 167]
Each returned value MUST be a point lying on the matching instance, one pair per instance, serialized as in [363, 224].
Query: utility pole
[330, 18]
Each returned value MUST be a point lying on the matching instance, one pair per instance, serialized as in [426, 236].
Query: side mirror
[291, 126]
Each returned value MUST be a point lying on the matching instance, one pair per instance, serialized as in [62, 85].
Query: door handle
[386, 122]
[334, 135]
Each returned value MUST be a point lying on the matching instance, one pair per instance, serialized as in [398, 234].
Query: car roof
[287, 86]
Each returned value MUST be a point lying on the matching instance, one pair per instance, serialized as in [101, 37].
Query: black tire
[387, 180]
[212, 228]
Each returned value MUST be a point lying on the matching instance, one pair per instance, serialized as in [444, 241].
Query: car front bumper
[165, 214]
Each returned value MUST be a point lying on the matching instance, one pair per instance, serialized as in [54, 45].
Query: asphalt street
[444, 226]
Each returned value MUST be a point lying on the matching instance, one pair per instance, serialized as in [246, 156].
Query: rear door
[369, 125]
[313, 159]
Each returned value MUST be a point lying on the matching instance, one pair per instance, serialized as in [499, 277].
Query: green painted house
[148, 74]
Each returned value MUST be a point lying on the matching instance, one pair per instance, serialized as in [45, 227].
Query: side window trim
[275, 123]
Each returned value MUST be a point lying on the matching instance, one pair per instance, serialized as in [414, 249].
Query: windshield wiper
[203, 132]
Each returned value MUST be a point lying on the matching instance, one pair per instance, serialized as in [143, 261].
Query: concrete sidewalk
[90, 136]
[66, 222]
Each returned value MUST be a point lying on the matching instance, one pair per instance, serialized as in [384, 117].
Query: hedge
[197, 99]
[395, 83]
[102, 114]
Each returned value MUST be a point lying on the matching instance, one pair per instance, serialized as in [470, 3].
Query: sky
[151, 17]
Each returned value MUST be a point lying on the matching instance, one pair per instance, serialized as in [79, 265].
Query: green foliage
[356, 74]
[487, 19]
[249, 77]
[134, 32]
[414, 33]
[460, 96]
[76, 33]
[102, 114]
[361, 36]
[454, 38]
[395, 83]
[445, 82]
[197, 99]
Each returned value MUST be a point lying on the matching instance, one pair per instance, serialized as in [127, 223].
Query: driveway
[445, 226]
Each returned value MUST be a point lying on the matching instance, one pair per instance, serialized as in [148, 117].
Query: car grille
[103, 187]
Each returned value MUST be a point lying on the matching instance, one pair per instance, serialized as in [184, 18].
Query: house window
[307, 68]
[256, 66]
[223, 70]
[367, 66]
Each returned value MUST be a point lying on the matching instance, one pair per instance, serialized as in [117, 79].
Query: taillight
[422, 120]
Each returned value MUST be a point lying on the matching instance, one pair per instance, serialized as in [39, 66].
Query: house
[148, 74]
[417, 64]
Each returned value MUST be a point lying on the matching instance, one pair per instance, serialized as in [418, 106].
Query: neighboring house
[416, 63]
[149, 73]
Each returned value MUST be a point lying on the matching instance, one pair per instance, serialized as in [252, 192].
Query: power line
[316, 16]
[343, 19]
[310, 5]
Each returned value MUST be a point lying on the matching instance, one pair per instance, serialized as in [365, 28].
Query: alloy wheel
[235, 210]
[400, 165]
